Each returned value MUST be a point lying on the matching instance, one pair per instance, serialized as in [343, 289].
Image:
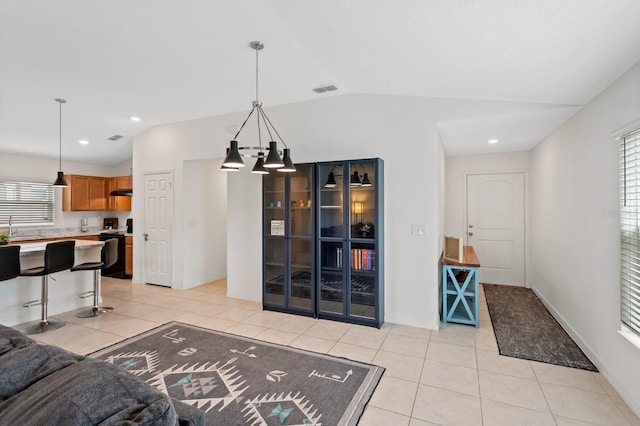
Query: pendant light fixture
[60, 181]
[228, 169]
[273, 161]
[259, 167]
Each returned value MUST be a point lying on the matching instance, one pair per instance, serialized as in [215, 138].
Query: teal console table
[460, 302]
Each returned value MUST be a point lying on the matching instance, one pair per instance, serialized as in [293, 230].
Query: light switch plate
[418, 229]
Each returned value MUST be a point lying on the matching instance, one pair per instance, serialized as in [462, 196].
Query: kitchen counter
[54, 233]
[40, 247]
[64, 287]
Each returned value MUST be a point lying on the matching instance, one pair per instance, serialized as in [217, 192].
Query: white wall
[347, 127]
[13, 166]
[575, 233]
[123, 169]
[457, 169]
[401, 130]
[244, 241]
[205, 223]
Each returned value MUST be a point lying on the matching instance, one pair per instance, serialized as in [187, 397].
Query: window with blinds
[630, 230]
[28, 203]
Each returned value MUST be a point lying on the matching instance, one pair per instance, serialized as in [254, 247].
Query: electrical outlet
[418, 229]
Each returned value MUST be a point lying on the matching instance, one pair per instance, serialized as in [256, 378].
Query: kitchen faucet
[10, 227]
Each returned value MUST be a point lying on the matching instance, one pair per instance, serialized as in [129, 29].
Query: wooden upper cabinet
[97, 192]
[75, 197]
[121, 204]
[92, 193]
[124, 182]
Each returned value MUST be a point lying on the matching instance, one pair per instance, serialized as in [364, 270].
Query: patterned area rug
[240, 381]
[525, 329]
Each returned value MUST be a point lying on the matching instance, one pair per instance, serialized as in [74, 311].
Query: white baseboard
[591, 354]
[401, 321]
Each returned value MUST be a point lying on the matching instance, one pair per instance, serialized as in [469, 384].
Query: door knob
[146, 236]
[470, 226]
[471, 234]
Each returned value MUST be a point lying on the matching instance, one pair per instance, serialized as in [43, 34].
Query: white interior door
[495, 226]
[158, 205]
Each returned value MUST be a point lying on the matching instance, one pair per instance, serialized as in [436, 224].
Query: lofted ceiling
[167, 61]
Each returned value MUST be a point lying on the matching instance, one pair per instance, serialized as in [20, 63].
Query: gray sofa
[46, 385]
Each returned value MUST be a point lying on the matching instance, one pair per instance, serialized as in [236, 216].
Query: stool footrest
[86, 294]
[32, 303]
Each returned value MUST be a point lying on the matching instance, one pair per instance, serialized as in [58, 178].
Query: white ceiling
[169, 60]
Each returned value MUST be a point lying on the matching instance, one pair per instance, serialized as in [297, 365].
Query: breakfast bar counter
[64, 287]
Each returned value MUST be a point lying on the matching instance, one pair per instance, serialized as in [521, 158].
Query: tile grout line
[424, 361]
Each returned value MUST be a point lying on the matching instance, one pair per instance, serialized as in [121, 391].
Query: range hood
[125, 192]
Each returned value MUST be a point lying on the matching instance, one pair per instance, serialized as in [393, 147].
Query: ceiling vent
[115, 137]
[323, 89]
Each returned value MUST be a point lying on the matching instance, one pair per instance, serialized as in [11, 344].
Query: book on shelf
[363, 259]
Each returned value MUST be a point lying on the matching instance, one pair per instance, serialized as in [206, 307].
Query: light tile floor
[453, 376]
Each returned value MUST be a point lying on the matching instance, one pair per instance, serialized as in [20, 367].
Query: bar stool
[9, 262]
[58, 256]
[109, 256]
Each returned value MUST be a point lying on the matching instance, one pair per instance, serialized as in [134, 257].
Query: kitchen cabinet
[75, 197]
[82, 237]
[92, 193]
[116, 203]
[84, 193]
[129, 255]
[97, 191]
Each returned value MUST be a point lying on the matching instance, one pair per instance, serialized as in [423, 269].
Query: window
[630, 230]
[28, 203]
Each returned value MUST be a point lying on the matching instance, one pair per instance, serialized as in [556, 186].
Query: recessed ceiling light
[492, 141]
[134, 118]
[83, 142]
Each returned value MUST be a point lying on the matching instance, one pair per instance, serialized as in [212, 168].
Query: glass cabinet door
[362, 255]
[301, 190]
[331, 277]
[331, 201]
[302, 278]
[363, 282]
[332, 233]
[323, 241]
[274, 209]
[274, 271]
[289, 229]
[363, 200]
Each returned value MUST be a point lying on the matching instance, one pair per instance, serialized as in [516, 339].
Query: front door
[158, 206]
[495, 226]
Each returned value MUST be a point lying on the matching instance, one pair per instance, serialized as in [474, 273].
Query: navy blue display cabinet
[289, 241]
[324, 241]
[350, 244]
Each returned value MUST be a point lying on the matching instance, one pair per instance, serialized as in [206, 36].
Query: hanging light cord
[60, 150]
[245, 122]
[257, 100]
[259, 133]
[262, 113]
